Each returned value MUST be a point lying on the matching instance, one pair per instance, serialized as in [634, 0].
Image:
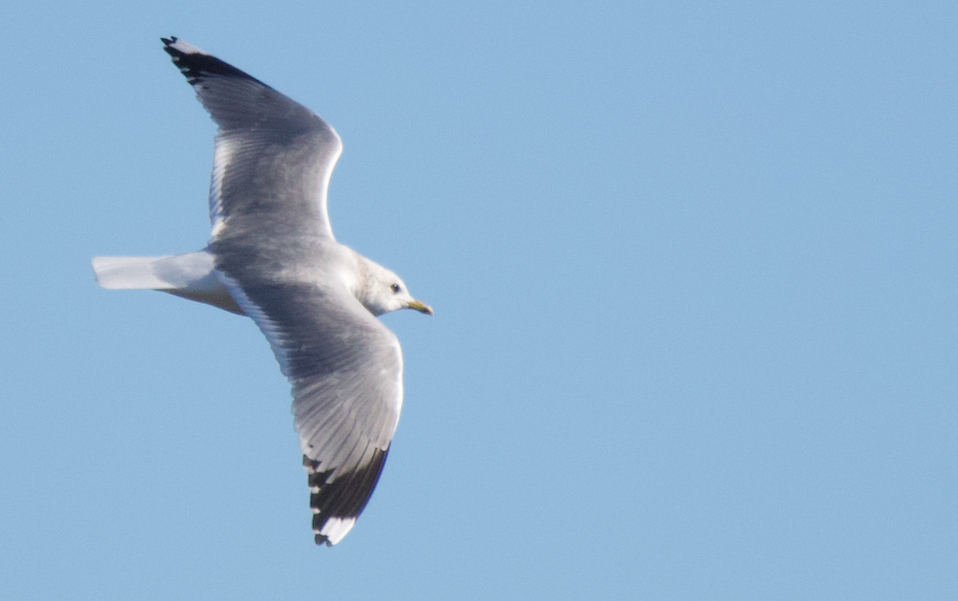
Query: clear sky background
[695, 272]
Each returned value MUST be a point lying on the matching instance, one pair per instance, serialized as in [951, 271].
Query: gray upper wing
[271, 242]
[273, 156]
[345, 368]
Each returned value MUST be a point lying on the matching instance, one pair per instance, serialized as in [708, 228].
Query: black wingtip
[344, 497]
[323, 540]
[197, 65]
[168, 43]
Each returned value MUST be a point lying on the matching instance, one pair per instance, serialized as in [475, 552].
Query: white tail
[190, 276]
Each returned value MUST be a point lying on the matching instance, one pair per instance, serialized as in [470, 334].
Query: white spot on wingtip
[185, 48]
[335, 529]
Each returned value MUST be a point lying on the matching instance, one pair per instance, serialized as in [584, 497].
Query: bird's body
[272, 256]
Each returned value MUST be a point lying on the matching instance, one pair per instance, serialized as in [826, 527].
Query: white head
[382, 291]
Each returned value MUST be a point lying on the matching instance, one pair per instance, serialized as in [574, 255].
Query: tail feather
[191, 276]
[128, 273]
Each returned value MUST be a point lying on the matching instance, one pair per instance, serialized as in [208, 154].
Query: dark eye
[395, 288]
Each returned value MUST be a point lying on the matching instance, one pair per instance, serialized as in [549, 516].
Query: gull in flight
[272, 257]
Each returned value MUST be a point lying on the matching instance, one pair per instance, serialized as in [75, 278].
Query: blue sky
[694, 272]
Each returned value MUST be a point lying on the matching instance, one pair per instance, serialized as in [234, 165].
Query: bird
[272, 257]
